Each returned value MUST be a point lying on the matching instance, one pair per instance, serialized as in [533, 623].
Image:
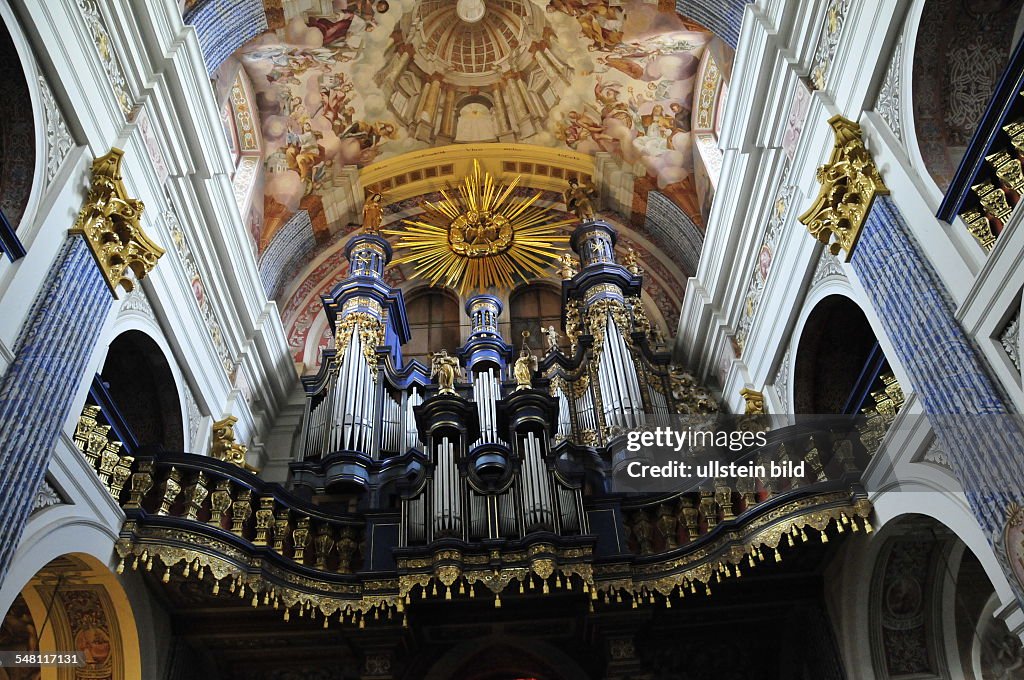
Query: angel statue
[373, 212]
[446, 368]
[577, 199]
[523, 370]
[552, 336]
[567, 266]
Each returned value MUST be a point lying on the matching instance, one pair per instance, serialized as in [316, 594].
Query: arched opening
[17, 133]
[961, 50]
[533, 308]
[931, 609]
[74, 604]
[140, 383]
[434, 323]
[838, 360]
[476, 121]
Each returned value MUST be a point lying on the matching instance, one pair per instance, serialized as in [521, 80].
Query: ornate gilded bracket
[109, 221]
[224, 446]
[754, 401]
[849, 183]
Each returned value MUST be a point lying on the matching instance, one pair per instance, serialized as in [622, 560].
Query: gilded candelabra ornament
[482, 237]
[224, 446]
[446, 369]
[109, 221]
[849, 183]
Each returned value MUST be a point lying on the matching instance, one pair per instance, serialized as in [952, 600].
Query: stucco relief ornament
[109, 221]
[1013, 540]
[849, 183]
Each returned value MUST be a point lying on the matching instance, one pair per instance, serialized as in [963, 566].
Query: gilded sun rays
[481, 237]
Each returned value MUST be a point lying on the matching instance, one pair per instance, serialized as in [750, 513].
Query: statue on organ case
[523, 370]
[446, 369]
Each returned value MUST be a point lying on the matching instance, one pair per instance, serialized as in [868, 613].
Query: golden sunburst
[481, 238]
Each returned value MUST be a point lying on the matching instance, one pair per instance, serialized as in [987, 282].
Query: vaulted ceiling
[345, 97]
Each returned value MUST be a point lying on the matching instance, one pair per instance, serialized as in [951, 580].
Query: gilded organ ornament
[577, 199]
[523, 370]
[481, 237]
[446, 369]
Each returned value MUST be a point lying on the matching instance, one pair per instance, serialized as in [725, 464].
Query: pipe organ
[491, 458]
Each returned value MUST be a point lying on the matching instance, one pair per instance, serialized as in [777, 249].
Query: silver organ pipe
[535, 483]
[412, 438]
[585, 412]
[391, 422]
[486, 393]
[447, 497]
[620, 394]
[564, 430]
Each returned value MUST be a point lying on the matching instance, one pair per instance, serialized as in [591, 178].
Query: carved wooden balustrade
[989, 182]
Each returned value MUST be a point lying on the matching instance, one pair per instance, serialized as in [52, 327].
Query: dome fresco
[343, 87]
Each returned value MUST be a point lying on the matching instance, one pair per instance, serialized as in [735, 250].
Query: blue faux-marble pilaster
[946, 369]
[38, 388]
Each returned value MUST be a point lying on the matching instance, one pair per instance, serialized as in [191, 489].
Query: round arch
[834, 347]
[435, 322]
[23, 155]
[141, 382]
[532, 307]
[956, 53]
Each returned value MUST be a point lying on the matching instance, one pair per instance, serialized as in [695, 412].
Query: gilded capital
[109, 221]
[849, 183]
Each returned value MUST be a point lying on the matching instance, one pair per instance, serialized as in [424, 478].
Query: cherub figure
[567, 266]
[553, 337]
[446, 369]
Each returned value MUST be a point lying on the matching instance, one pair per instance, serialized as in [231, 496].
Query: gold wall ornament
[109, 221]
[482, 237]
[371, 334]
[224, 446]
[754, 401]
[849, 183]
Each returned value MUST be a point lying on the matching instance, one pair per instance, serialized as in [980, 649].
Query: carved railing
[197, 518]
[989, 182]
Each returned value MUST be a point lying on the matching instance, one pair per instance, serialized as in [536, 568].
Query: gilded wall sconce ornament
[109, 221]
[849, 183]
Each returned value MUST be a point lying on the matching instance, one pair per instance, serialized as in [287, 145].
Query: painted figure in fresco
[600, 21]
[680, 117]
[333, 106]
[445, 368]
[579, 127]
[306, 156]
[373, 213]
[369, 134]
[577, 199]
[523, 370]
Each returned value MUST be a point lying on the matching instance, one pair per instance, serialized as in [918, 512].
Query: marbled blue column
[964, 405]
[38, 389]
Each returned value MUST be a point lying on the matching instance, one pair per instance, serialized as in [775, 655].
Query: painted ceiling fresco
[346, 84]
[342, 86]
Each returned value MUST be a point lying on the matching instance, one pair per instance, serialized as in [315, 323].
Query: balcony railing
[989, 182]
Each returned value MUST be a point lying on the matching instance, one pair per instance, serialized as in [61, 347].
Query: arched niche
[960, 50]
[75, 603]
[475, 121]
[435, 323]
[505, 657]
[18, 144]
[141, 384]
[838, 359]
[931, 607]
